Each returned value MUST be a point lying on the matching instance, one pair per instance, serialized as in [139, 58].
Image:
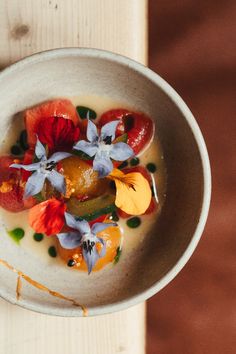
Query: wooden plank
[29, 26]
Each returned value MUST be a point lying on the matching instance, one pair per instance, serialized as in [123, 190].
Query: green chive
[52, 251]
[16, 150]
[23, 140]
[151, 167]
[38, 237]
[16, 234]
[83, 112]
[133, 222]
[134, 161]
[118, 254]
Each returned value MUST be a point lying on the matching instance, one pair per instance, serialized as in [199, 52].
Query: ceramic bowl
[66, 72]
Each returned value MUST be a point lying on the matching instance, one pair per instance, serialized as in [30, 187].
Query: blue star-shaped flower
[42, 170]
[102, 148]
[85, 237]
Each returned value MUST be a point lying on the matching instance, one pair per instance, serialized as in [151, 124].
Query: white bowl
[74, 71]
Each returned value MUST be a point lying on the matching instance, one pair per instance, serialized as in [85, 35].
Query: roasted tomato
[81, 179]
[112, 237]
[138, 126]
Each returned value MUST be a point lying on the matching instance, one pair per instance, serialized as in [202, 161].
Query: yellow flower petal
[133, 192]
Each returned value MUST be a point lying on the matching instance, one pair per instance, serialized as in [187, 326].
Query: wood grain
[26, 27]
[29, 26]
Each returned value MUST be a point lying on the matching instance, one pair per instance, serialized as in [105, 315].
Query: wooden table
[29, 26]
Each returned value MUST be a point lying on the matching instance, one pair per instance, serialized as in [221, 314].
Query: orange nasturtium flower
[48, 217]
[133, 192]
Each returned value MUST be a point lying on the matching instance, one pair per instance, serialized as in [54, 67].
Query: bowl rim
[178, 101]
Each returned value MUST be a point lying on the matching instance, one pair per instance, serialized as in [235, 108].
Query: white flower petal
[100, 226]
[90, 258]
[121, 151]
[30, 167]
[109, 129]
[70, 220]
[81, 225]
[102, 164]
[57, 181]
[88, 148]
[103, 250]
[92, 133]
[39, 150]
[34, 184]
[69, 240]
[58, 156]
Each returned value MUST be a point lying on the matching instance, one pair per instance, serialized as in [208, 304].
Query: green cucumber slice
[93, 208]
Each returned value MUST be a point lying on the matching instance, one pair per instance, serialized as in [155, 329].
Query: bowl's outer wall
[69, 75]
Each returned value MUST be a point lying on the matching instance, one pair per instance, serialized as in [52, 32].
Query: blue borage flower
[42, 170]
[84, 236]
[102, 148]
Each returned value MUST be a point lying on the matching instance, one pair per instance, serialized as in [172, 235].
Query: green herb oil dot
[134, 161]
[52, 251]
[151, 167]
[16, 150]
[16, 234]
[114, 216]
[38, 237]
[133, 222]
[84, 111]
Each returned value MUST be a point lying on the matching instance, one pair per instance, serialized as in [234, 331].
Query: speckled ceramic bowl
[66, 72]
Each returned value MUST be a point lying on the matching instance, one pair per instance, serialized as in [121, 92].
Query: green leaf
[16, 234]
[39, 197]
[121, 139]
[118, 254]
[83, 112]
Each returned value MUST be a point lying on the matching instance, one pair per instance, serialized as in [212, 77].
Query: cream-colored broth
[131, 237]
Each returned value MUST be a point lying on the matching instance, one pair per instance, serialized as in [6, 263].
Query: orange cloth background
[192, 46]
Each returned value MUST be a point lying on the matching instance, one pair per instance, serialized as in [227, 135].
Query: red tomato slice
[55, 108]
[138, 126]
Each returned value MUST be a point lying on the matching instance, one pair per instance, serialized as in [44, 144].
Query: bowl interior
[50, 76]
